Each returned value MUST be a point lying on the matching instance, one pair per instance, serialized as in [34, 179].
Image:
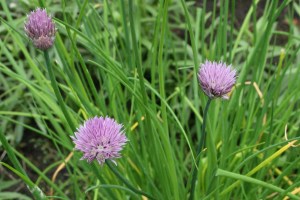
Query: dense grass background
[137, 61]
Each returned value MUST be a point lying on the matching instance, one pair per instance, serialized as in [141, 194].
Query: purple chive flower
[40, 29]
[216, 79]
[100, 138]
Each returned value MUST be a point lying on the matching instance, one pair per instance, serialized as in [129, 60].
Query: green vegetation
[137, 61]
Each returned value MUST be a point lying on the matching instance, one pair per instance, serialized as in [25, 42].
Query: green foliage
[137, 61]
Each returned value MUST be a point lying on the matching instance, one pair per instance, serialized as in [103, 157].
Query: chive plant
[139, 62]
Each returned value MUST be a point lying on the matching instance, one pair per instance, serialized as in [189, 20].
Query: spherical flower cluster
[40, 29]
[100, 138]
[216, 79]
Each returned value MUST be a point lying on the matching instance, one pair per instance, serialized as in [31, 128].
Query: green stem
[161, 69]
[57, 92]
[203, 133]
[199, 149]
[125, 181]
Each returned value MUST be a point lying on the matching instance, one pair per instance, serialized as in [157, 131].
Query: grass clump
[137, 62]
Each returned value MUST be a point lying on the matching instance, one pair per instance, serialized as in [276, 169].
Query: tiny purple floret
[216, 79]
[40, 28]
[100, 138]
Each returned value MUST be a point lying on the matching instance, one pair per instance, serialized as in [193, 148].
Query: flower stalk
[57, 92]
[125, 181]
[200, 147]
[216, 80]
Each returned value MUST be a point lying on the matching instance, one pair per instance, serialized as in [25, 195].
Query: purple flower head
[40, 28]
[216, 79]
[100, 138]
